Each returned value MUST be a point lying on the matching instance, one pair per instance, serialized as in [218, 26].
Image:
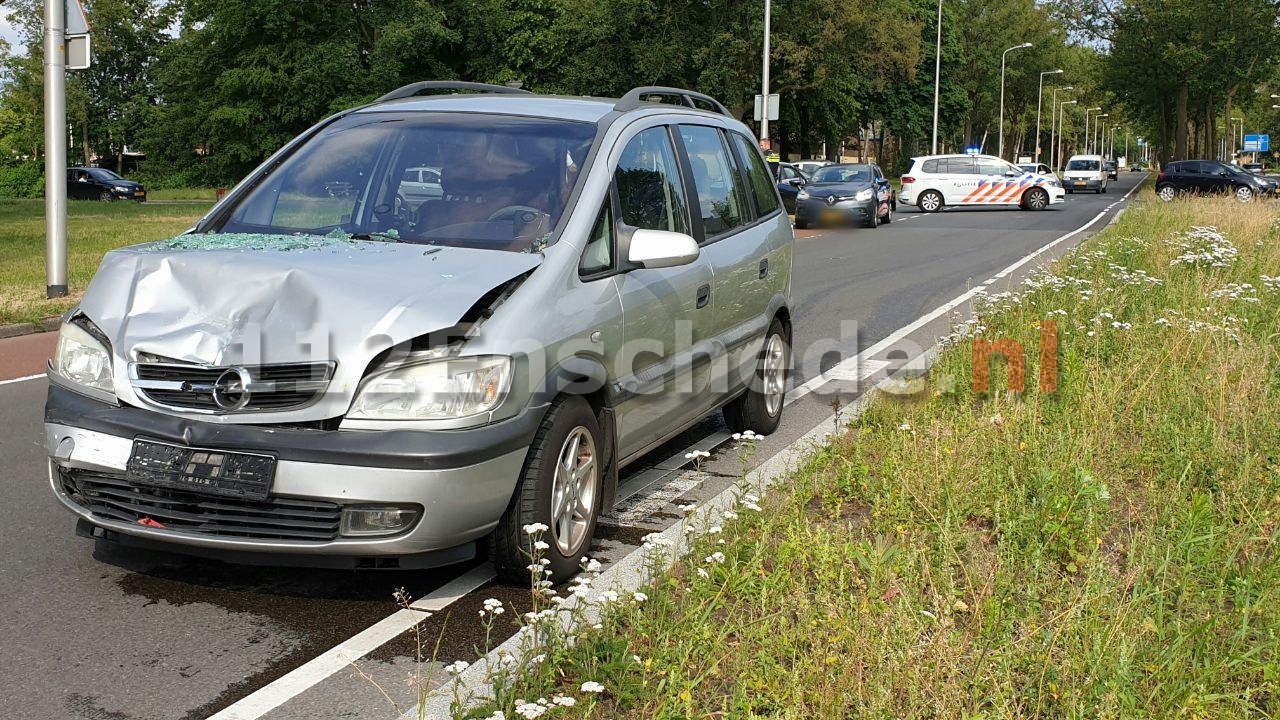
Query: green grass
[92, 229]
[1108, 550]
[168, 194]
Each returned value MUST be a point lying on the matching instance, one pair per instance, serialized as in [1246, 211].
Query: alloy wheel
[573, 491]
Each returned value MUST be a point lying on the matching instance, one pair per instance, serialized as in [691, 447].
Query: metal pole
[1000, 151]
[764, 77]
[937, 75]
[55, 150]
[1039, 101]
[1053, 124]
[1062, 127]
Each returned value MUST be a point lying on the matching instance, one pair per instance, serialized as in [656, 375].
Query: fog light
[366, 520]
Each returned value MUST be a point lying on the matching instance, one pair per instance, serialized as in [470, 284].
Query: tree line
[206, 89]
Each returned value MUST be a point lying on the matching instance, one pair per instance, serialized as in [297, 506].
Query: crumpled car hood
[265, 299]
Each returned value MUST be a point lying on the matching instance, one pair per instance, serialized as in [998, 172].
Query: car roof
[561, 107]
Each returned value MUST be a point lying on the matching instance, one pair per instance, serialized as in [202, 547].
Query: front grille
[194, 387]
[115, 498]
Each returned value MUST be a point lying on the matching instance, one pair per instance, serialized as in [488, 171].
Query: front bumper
[461, 480]
[819, 213]
[1083, 184]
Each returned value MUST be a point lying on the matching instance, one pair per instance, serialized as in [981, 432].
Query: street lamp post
[1234, 120]
[1000, 152]
[1062, 129]
[1113, 141]
[1086, 127]
[1039, 99]
[937, 74]
[764, 78]
[1098, 135]
[1053, 120]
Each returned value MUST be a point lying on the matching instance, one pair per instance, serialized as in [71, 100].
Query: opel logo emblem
[831, 199]
[231, 389]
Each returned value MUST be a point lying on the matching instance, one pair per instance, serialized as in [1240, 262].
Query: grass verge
[92, 229]
[1104, 550]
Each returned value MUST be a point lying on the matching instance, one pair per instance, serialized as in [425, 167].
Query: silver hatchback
[356, 380]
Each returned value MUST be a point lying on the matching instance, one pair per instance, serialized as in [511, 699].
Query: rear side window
[762, 187]
[930, 166]
[720, 201]
[649, 187]
[959, 166]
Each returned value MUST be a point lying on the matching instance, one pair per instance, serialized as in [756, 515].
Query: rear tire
[568, 444]
[888, 216]
[1167, 192]
[759, 409]
[930, 201]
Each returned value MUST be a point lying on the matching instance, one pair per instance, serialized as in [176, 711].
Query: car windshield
[102, 174]
[504, 181]
[1082, 165]
[842, 174]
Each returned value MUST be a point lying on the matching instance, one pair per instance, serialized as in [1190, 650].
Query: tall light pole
[1097, 132]
[1062, 129]
[1000, 152]
[764, 78]
[1086, 127]
[1234, 120]
[937, 74]
[1053, 124]
[55, 150]
[1113, 141]
[1039, 99]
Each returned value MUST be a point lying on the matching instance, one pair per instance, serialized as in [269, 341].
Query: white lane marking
[272, 696]
[645, 506]
[22, 379]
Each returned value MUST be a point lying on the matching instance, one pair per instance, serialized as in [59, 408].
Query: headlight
[434, 390]
[802, 195]
[863, 195]
[123, 188]
[83, 359]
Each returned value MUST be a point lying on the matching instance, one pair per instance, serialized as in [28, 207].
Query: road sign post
[66, 46]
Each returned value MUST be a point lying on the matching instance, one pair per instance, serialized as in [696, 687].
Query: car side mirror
[797, 182]
[661, 249]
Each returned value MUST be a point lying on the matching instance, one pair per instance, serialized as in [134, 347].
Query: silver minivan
[349, 380]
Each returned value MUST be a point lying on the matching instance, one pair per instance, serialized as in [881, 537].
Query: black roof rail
[414, 88]
[635, 97]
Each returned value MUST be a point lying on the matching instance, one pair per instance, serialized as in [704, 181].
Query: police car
[936, 181]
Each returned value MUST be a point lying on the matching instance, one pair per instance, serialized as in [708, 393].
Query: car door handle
[704, 295]
[764, 268]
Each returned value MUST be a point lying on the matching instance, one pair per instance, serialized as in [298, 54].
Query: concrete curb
[49, 324]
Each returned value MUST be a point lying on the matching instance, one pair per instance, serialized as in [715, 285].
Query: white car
[936, 181]
[809, 167]
[1085, 172]
[419, 184]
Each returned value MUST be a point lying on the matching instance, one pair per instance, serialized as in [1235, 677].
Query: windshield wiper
[391, 236]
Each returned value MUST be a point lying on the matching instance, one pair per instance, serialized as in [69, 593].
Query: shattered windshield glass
[461, 179]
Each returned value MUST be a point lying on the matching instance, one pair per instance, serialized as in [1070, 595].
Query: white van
[935, 181]
[1085, 172]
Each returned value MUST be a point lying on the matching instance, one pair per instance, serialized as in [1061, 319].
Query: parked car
[91, 183]
[1113, 170]
[935, 181]
[1037, 169]
[336, 381]
[1085, 172]
[789, 179]
[1136, 167]
[1255, 168]
[842, 194]
[1210, 177]
[809, 167]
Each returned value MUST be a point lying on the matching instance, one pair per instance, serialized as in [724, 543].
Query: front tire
[930, 201]
[106, 196]
[1036, 199]
[873, 216]
[561, 486]
[759, 409]
[1244, 194]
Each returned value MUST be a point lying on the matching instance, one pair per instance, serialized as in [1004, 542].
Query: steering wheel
[520, 213]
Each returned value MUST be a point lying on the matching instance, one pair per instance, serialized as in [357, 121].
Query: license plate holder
[247, 476]
[1081, 182]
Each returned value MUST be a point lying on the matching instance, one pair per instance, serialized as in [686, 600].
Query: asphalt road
[94, 632]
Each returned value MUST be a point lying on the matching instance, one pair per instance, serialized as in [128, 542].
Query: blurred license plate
[834, 216]
[1081, 182]
[209, 472]
[139, 193]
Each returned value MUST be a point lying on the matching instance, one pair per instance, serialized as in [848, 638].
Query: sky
[9, 32]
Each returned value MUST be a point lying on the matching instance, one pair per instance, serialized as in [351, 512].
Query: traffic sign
[772, 107]
[1257, 143]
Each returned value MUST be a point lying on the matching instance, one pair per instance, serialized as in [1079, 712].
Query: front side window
[503, 182]
[762, 187]
[960, 166]
[720, 199]
[649, 187]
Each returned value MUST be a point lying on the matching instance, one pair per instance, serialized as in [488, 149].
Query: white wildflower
[534, 528]
[592, 686]
[457, 667]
